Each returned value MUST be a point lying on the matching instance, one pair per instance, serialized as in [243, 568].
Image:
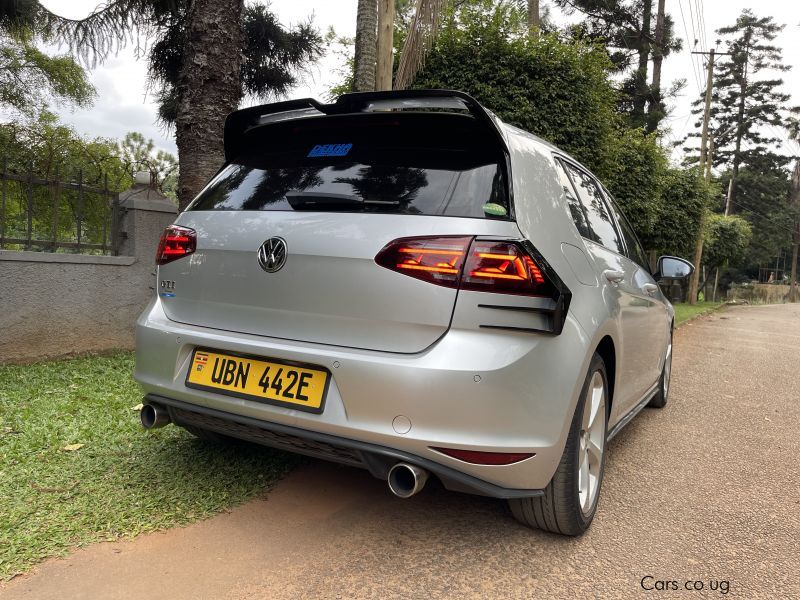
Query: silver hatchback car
[400, 281]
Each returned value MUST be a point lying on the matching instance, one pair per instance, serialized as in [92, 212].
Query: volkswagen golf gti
[399, 281]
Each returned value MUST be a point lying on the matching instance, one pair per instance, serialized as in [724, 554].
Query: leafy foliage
[30, 77]
[140, 154]
[638, 180]
[684, 199]
[763, 201]
[726, 240]
[272, 56]
[563, 93]
[558, 91]
[627, 31]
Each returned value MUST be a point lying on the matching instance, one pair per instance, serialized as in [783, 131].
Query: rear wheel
[661, 396]
[570, 499]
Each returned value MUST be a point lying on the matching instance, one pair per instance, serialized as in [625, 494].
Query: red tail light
[502, 267]
[486, 266]
[176, 242]
[437, 260]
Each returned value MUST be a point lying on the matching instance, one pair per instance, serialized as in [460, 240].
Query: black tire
[662, 395]
[559, 509]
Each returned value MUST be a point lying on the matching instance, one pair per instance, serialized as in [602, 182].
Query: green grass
[123, 481]
[685, 312]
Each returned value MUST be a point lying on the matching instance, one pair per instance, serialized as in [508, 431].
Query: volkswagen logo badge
[272, 254]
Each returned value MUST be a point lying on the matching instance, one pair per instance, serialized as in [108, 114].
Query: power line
[691, 57]
[762, 215]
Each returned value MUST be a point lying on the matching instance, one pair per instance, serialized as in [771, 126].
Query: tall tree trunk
[655, 108]
[534, 18]
[641, 93]
[366, 46]
[737, 153]
[385, 62]
[209, 87]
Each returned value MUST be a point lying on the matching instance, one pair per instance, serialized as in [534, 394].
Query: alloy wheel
[592, 443]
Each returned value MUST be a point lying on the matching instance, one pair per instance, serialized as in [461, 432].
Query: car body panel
[469, 370]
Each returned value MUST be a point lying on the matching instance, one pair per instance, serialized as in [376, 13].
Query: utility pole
[655, 109]
[383, 79]
[705, 165]
[694, 282]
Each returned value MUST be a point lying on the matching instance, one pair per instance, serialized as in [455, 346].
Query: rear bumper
[372, 457]
[487, 391]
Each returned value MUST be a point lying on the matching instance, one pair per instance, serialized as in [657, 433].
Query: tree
[139, 154]
[206, 56]
[558, 91]
[745, 105]
[625, 29]
[726, 240]
[365, 49]
[29, 77]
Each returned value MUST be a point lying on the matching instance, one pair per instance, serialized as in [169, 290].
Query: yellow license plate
[265, 380]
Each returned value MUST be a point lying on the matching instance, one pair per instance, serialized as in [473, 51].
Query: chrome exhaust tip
[406, 480]
[154, 416]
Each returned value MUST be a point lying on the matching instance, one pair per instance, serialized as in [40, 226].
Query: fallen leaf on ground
[72, 447]
[137, 407]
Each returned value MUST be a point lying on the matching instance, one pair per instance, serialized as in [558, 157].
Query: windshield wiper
[328, 200]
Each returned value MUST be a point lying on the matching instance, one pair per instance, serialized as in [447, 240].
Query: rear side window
[594, 208]
[404, 164]
[635, 251]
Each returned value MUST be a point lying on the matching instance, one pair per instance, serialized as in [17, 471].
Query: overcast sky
[123, 104]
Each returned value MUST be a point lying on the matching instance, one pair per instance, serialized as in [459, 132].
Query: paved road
[707, 490]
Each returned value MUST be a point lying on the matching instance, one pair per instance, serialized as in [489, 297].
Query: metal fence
[57, 215]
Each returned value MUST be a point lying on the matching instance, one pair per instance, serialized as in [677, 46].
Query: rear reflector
[485, 458]
[176, 242]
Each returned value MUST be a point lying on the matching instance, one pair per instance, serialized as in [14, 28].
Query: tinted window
[576, 209]
[635, 251]
[600, 221]
[377, 164]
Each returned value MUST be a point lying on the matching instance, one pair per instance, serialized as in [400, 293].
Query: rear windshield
[407, 164]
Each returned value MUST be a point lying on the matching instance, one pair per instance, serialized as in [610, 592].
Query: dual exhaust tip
[404, 479]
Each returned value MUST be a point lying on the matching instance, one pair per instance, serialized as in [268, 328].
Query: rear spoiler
[240, 122]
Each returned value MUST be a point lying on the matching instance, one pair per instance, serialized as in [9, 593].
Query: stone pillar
[145, 212]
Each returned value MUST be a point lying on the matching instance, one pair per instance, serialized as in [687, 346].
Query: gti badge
[272, 254]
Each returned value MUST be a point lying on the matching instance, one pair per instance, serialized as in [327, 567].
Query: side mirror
[672, 267]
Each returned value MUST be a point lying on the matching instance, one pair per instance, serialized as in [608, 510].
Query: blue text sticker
[330, 150]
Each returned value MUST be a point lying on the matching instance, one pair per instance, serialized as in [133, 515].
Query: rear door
[334, 191]
[621, 279]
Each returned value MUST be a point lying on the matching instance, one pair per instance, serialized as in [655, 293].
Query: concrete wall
[766, 293]
[61, 304]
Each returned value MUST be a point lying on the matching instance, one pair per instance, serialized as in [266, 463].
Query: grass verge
[76, 467]
[685, 312]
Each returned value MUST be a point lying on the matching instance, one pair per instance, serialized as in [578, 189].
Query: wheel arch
[608, 352]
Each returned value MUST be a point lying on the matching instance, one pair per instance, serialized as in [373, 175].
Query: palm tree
[207, 55]
[366, 46]
[419, 41]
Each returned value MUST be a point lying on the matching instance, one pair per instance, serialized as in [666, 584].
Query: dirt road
[705, 492]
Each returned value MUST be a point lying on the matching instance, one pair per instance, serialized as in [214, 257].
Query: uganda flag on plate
[200, 360]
